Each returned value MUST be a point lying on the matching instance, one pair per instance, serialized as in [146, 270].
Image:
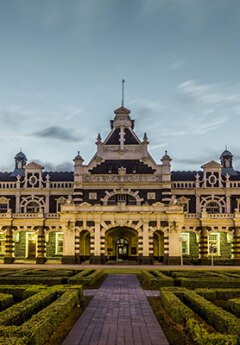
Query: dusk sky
[62, 62]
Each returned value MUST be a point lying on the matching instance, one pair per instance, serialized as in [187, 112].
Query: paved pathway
[118, 314]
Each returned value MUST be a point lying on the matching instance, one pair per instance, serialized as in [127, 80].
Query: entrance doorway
[31, 245]
[121, 249]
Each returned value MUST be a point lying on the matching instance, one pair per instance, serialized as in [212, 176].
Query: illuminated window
[33, 207]
[122, 198]
[59, 243]
[185, 243]
[212, 207]
[214, 244]
[2, 243]
[3, 208]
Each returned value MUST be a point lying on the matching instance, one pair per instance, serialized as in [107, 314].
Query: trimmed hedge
[5, 300]
[22, 280]
[156, 278]
[18, 313]
[40, 327]
[13, 341]
[223, 321]
[208, 294]
[194, 283]
[178, 311]
[86, 277]
[202, 337]
[233, 305]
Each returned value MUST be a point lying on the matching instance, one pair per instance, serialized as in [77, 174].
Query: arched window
[122, 198]
[33, 207]
[212, 207]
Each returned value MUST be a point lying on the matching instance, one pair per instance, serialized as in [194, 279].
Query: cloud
[64, 166]
[57, 133]
[214, 95]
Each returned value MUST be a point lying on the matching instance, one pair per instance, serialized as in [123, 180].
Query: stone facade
[122, 205]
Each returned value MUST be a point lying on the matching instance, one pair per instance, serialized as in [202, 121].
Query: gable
[114, 138]
[33, 165]
[212, 164]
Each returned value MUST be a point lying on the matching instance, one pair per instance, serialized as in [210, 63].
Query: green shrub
[223, 321]
[194, 283]
[233, 305]
[225, 294]
[5, 300]
[19, 312]
[178, 311]
[33, 280]
[13, 341]
[156, 278]
[210, 295]
[202, 337]
[86, 277]
[40, 327]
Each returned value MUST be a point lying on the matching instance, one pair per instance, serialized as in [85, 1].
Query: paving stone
[118, 314]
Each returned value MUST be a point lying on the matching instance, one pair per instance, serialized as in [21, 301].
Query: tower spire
[123, 81]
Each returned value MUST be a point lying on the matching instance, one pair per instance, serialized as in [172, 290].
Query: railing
[61, 184]
[209, 215]
[52, 215]
[192, 215]
[234, 184]
[183, 185]
[29, 215]
[8, 185]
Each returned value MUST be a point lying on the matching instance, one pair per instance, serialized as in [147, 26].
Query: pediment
[33, 165]
[158, 204]
[211, 164]
[84, 204]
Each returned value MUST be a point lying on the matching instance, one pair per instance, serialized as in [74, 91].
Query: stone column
[166, 246]
[146, 259]
[8, 259]
[174, 257]
[40, 259]
[203, 248]
[96, 258]
[236, 246]
[69, 243]
[102, 249]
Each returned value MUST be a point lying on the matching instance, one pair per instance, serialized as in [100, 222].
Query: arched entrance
[121, 249]
[121, 244]
[84, 245]
[158, 245]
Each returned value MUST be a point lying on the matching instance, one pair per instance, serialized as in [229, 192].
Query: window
[33, 207]
[212, 207]
[122, 198]
[2, 243]
[59, 243]
[3, 207]
[214, 244]
[185, 243]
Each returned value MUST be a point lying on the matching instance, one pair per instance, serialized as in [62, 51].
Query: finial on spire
[78, 153]
[225, 147]
[165, 152]
[123, 81]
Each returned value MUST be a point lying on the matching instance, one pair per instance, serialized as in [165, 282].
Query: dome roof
[226, 153]
[21, 155]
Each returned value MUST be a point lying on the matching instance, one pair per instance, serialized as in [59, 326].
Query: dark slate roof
[235, 177]
[7, 176]
[114, 138]
[21, 155]
[133, 166]
[59, 175]
[129, 138]
[185, 175]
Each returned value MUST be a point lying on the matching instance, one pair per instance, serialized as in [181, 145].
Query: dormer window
[4, 204]
[33, 207]
[122, 199]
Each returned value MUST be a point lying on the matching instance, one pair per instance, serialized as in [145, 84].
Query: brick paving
[118, 314]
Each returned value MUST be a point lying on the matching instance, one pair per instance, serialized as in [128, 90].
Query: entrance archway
[121, 243]
[121, 249]
[158, 245]
[84, 245]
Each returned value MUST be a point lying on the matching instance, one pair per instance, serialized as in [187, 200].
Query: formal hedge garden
[191, 279]
[31, 313]
[49, 276]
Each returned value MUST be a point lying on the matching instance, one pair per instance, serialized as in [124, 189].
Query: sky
[62, 62]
